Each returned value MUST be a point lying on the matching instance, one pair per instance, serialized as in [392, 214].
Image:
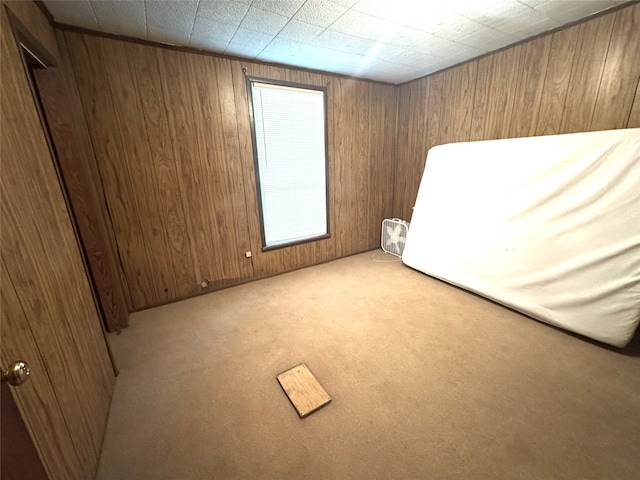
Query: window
[289, 145]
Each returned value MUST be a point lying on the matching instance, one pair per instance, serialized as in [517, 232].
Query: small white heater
[394, 235]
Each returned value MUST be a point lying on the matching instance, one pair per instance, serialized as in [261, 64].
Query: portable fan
[394, 235]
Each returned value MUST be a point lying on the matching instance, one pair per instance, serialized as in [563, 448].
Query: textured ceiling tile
[121, 18]
[450, 49]
[263, 21]
[320, 12]
[464, 28]
[319, 54]
[300, 31]
[341, 41]
[566, 11]
[205, 28]
[346, 3]
[414, 59]
[242, 50]
[73, 13]
[223, 11]
[508, 16]
[280, 50]
[384, 50]
[532, 29]
[370, 40]
[378, 8]
[251, 38]
[487, 12]
[533, 3]
[174, 17]
[516, 25]
[435, 46]
[412, 38]
[313, 57]
[425, 16]
[366, 26]
[485, 40]
[282, 7]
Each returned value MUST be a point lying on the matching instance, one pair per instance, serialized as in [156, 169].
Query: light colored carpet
[428, 382]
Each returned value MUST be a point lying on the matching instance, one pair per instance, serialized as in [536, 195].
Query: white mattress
[549, 226]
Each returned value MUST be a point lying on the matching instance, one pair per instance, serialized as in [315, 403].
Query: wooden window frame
[281, 83]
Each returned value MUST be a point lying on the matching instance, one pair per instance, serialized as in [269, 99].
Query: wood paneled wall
[172, 138]
[582, 78]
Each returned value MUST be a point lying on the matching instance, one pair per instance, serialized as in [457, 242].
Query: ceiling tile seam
[484, 25]
[193, 25]
[95, 16]
[285, 26]
[240, 23]
[409, 49]
[530, 7]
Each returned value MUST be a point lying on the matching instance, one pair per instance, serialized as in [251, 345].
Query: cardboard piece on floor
[304, 392]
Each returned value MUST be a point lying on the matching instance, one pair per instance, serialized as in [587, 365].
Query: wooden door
[77, 166]
[49, 318]
[18, 459]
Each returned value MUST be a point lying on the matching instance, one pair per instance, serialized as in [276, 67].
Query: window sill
[297, 242]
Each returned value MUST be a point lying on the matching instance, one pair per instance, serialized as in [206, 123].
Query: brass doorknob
[16, 374]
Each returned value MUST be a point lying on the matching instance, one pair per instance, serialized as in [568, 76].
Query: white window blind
[290, 145]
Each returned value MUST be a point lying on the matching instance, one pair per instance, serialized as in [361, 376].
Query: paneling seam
[602, 69]
[242, 164]
[544, 83]
[633, 102]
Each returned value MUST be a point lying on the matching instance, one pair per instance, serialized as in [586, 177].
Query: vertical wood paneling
[98, 103]
[553, 84]
[412, 143]
[621, 72]
[533, 58]
[556, 84]
[586, 73]
[222, 224]
[176, 159]
[459, 100]
[161, 175]
[176, 164]
[435, 106]
[482, 97]
[137, 161]
[383, 146]
[500, 104]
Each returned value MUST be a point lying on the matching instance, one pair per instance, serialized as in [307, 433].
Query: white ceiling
[388, 40]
